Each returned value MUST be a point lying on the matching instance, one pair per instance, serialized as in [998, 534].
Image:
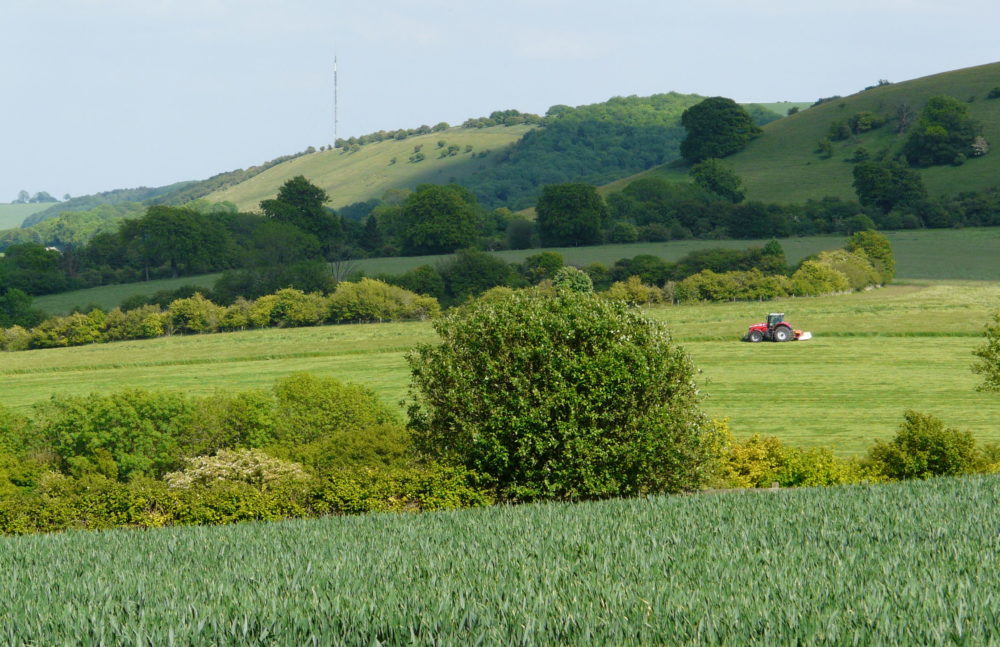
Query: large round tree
[716, 127]
[569, 397]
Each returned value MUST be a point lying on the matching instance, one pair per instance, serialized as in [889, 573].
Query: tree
[15, 309]
[945, 132]
[887, 184]
[438, 220]
[988, 364]
[472, 272]
[922, 448]
[716, 127]
[718, 177]
[300, 203]
[878, 250]
[569, 396]
[570, 214]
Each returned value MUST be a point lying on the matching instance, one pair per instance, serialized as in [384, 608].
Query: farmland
[972, 253]
[874, 355]
[848, 565]
[12, 215]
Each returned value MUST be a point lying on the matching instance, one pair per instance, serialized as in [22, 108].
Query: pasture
[874, 355]
[972, 254]
[845, 565]
[12, 215]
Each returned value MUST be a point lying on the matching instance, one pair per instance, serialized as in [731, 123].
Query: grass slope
[12, 215]
[369, 172]
[904, 564]
[874, 355]
[781, 165]
[967, 254]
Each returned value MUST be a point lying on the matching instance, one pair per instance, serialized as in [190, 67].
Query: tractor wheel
[782, 333]
[755, 336]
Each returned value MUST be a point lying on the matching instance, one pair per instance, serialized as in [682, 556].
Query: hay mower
[775, 329]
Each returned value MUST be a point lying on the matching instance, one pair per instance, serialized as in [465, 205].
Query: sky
[105, 94]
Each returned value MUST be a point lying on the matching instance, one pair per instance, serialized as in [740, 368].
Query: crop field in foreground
[874, 355]
[905, 564]
[936, 254]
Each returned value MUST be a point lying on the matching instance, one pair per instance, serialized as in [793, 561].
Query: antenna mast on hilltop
[335, 124]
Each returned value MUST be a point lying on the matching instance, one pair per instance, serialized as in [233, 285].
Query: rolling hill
[375, 168]
[782, 164]
[11, 215]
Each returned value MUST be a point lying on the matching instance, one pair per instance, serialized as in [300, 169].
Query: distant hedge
[368, 300]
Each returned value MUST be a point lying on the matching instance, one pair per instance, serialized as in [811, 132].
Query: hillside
[370, 171]
[782, 166]
[12, 215]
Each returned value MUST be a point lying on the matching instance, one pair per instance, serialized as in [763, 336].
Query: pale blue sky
[105, 94]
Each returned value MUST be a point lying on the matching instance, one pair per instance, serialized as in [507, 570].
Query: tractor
[775, 329]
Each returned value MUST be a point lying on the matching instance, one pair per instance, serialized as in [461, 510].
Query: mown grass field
[972, 253]
[370, 172]
[904, 564]
[874, 355]
[782, 166]
[12, 215]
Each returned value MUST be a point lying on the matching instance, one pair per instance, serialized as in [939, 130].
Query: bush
[814, 279]
[572, 279]
[853, 265]
[371, 300]
[922, 448]
[760, 461]
[634, 292]
[15, 338]
[121, 435]
[376, 446]
[249, 466]
[988, 364]
[76, 329]
[568, 396]
[195, 314]
[309, 408]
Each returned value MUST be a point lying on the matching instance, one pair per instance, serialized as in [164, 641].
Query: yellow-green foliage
[194, 315]
[760, 461]
[372, 300]
[855, 267]
[634, 292]
[140, 323]
[814, 279]
[751, 285]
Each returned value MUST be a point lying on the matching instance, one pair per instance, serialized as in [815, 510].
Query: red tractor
[775, 329]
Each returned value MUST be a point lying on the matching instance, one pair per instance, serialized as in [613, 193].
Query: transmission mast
[335, 115]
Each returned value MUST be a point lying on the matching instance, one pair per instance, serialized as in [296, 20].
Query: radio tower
[335, 124]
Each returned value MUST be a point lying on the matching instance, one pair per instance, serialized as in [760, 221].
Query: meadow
[12, 215]
[874, 354]
[845, 565]
[972, 254]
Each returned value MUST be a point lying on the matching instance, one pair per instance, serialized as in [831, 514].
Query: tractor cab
[775, 318]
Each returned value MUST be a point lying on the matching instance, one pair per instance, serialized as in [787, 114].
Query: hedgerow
[367, 300]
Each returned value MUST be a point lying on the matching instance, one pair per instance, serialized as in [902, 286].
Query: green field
[781, 165]
[874, 355]
[370, 172]
[905, 564]
[12, 215]
[966, 254]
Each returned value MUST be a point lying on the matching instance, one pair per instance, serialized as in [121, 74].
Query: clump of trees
[944, 134]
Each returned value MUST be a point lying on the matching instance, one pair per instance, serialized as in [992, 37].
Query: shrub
[760, 461]
[195, 314]
[15, 338]
[241, 420]
[309, 408]
[249, 466]
[988, 364]
[291, 307]
[76, 329]
[634, 292]
[853, 265]
[376, 446]
[922, 448]
[878, 250]
[569, 396]
[814, 279]
[371, 300]
[121, 435]
[572, 279]
[144, 322]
